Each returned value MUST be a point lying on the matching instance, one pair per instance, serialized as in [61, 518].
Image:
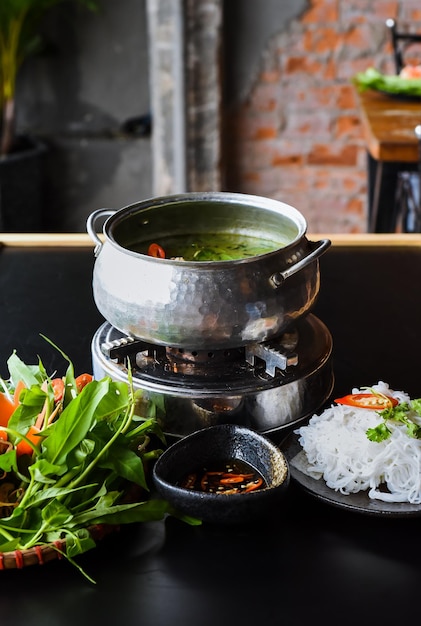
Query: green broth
[212, 247]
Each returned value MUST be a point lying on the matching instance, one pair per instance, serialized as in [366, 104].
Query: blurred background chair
[407, 204]
[401, 42]
[408, 196]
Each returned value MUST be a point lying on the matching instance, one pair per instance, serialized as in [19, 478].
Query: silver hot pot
[204, 305]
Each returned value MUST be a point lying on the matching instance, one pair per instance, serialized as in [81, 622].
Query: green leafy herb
[402, 413]
[389, 83]
[89, 469]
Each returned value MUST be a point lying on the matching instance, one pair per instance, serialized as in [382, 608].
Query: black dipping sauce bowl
[212, 447]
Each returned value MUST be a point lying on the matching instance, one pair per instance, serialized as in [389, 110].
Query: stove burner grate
[259, 366]
[270, 358]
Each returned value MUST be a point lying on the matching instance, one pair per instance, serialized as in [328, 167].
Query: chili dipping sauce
[226, 477]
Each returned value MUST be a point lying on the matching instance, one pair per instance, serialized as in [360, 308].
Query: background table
[309, 562]
[388, 127]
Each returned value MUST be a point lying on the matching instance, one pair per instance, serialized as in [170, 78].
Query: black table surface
[309, 562]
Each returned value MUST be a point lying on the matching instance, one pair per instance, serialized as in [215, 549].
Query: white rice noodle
[337, 449]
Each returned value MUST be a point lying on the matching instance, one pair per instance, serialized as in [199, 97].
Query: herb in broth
[232, 476]
[212, 246]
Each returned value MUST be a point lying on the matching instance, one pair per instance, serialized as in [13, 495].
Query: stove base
[270, 406]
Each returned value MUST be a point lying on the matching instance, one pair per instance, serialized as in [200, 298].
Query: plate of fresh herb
[75, 455]
[391, 85]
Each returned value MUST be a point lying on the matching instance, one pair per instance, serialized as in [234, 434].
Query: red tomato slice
[23, 447]
[58, 388]
[368, 401]
[19, 387]
[82, 381]
[6, 409]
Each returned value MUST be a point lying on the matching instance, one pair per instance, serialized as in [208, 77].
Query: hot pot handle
[90, 227]
[319, 247]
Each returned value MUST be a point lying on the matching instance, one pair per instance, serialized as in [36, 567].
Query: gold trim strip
[83, 239]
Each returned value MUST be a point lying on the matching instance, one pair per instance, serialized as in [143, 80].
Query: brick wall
[297, 136]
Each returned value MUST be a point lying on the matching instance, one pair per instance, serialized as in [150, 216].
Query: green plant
[20, 37]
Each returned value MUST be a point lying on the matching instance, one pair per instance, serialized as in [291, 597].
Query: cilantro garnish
[402, 413]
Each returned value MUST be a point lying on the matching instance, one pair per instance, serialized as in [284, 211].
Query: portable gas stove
[268, 386]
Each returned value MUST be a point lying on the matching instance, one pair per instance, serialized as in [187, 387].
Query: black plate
[356, 502]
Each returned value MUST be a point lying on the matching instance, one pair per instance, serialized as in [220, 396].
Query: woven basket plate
[38, 555]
